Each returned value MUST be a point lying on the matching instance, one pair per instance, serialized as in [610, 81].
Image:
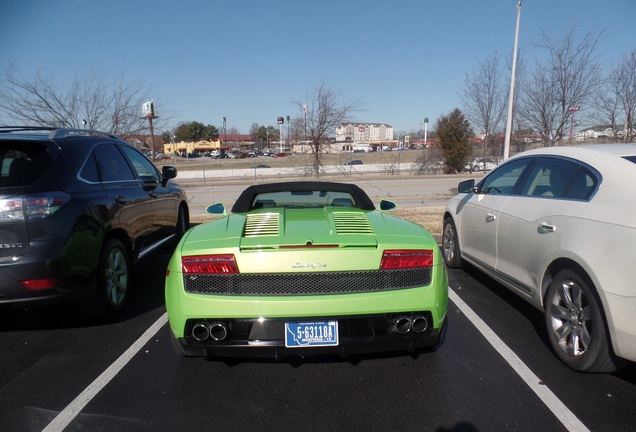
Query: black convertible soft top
[244, 202]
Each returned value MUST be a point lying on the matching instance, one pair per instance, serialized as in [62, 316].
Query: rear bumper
[43, 261]
[620, 311]
[258, 338]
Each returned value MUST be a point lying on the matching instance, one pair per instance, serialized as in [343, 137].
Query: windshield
[303, 199]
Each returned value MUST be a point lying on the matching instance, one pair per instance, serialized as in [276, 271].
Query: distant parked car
[77, 209]
[190, 155]
[557, 226]
[472, 166]
[354, 162]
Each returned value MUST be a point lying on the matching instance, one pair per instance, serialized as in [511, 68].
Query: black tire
[576, 326]
[183, 223]
[113, 280]
[450, 244]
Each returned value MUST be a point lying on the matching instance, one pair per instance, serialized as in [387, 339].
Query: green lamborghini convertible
[305, 268]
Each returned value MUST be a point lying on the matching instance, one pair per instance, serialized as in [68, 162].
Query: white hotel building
[364, 132]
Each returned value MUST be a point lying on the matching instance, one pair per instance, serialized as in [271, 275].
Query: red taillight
[41, 284]
[402, 259]
[43, 206]
[209, 264]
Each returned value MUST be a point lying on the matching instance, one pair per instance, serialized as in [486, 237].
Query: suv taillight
[32, 206]
[11, 210]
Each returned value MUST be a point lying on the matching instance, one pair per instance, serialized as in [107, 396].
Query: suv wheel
[113, 278]
[183, 224]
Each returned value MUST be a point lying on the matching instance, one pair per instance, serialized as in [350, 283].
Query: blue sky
[248, 60]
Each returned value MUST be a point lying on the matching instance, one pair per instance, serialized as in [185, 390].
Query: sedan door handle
[490, 217]
[546, 227]
[120, 200]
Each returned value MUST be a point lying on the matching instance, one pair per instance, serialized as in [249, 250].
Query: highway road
[406, 191]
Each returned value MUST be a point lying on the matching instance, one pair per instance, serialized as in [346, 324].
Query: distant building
[364, 132]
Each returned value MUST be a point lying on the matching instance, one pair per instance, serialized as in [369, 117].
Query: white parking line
[562, 413]
[554, 404]
[75, 407]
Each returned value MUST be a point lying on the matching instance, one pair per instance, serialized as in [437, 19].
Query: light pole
[425, 131]
[305, 133]
[288, 134]
[512, 87]
[280, 121]
[224, 131]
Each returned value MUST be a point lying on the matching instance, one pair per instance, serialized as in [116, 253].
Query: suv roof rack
[64, 132]
[55, 132]
[8, 129]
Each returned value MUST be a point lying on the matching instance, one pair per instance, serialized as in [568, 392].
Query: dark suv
[77, 209]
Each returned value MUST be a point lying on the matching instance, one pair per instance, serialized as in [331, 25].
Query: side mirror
[168, 172]
[216, 209]
[386, 205]
[466, 186]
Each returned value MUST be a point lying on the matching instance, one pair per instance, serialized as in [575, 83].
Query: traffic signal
[281, 120]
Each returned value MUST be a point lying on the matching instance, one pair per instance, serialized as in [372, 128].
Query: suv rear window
[22, 163]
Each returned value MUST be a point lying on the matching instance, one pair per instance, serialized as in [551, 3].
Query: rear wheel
[113, 278]
[450, 244]
[183, 223]
[575, 324]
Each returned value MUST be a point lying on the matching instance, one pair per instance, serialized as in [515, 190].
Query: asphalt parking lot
[495, 371]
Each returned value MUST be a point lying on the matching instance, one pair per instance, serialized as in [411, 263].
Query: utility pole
[512, 87]
[148, 111]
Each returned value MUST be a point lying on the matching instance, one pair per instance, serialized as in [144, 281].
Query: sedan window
[505, 178]
[559, 178]
[583, 185]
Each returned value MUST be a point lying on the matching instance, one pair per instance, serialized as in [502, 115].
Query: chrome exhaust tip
[419, 324]
[218, 331]
[402, 324]
[201, 331]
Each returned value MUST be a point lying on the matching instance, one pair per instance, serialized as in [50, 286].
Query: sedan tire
[450, 244]
[576, 326]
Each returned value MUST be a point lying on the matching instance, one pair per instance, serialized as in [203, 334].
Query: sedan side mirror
[466, 186]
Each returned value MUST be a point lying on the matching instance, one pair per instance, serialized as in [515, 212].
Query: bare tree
[484, 97]
[88, 102]
[325, 111]
[625, 78]
[569, 79]
[538, 105]
[608, 108]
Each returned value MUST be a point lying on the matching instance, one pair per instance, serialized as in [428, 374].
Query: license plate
[311, 334]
